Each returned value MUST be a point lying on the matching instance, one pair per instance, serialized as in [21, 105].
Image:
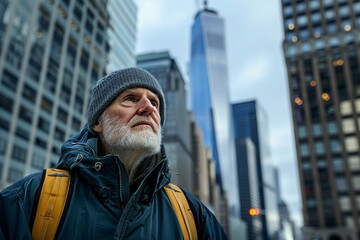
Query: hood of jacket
[82, 155]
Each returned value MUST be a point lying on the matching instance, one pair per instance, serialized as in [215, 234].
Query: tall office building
[250, 122]
[176, 132]
[122, 34]
[209, 96]
[321, 49]
[51, 54]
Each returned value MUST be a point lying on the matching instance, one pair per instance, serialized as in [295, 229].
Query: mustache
[141, 119]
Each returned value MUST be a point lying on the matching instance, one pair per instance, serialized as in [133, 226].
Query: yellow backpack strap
[182, 210]
[51, 203]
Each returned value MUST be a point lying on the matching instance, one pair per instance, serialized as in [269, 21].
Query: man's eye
[130, 98]
[154, 103]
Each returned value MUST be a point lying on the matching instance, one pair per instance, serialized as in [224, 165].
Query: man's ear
[97, 127]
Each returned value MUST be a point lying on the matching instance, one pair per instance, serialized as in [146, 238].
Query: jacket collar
[106, 174]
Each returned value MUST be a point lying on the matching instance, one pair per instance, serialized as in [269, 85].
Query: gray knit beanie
[113, 84]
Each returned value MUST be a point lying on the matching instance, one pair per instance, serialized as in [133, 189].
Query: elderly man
[118, 172]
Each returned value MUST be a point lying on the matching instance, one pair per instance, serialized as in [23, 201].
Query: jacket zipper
[120, 186]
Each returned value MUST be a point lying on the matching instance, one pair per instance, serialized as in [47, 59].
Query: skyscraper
[250, 123]
[51, 54]
[122, 34]
[321, 49]
[209, 97]
[176, 132]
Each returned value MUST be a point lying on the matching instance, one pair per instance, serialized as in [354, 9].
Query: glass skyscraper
[322, 54]
[250, 123]
[209, 97]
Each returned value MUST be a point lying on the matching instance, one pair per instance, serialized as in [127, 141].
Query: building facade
[122, 34]
[250, 123]
[321, 49]
[209, 97]
[51, 54]
[176, 132]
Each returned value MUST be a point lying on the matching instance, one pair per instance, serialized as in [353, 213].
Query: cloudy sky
[255, 64]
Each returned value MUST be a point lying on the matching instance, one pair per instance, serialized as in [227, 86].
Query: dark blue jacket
[101, 203]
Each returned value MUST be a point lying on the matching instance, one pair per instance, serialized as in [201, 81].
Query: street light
[254, 212]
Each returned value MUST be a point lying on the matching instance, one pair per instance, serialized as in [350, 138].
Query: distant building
[122, 34]
[209, 97]
[250, 123]
[321, 48]
[176, 133]
[51, 54]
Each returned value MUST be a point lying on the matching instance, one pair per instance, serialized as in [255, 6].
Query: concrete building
[176, 132]
[321, 48]
[51, 54]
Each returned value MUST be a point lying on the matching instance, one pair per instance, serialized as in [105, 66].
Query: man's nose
[146, 108]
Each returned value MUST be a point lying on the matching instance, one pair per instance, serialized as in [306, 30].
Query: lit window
[345, 108]
[348, 126]
[357, 105]
[356, 182]
[306, 165]
[354, 163]
[351, 144]
[344, 202]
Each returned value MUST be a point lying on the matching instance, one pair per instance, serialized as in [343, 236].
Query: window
[2, 145]
[304, 150]
[351, 144]
[338, 165]
[332, 128]
[29, 93]
[62, 115]
[14, 175]
[335, 146]
[38, 161]
[345, 108]
[6, 103]
[302, 132]
[44, 125]
[25, 114]
[317, 129]
[344, 202]
[19, 153]
[22, 133]
[319, 148]
[46, 104]
[354, 163]
[348, 126]
[356, 182]
[314, 4]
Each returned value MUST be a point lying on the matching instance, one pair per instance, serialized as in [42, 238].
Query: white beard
[129, 144]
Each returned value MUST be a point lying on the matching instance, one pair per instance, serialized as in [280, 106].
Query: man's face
[131, 121]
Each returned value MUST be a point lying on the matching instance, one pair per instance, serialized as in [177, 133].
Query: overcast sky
[255, 65]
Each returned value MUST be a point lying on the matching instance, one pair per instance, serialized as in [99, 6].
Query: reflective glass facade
[210, 98]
